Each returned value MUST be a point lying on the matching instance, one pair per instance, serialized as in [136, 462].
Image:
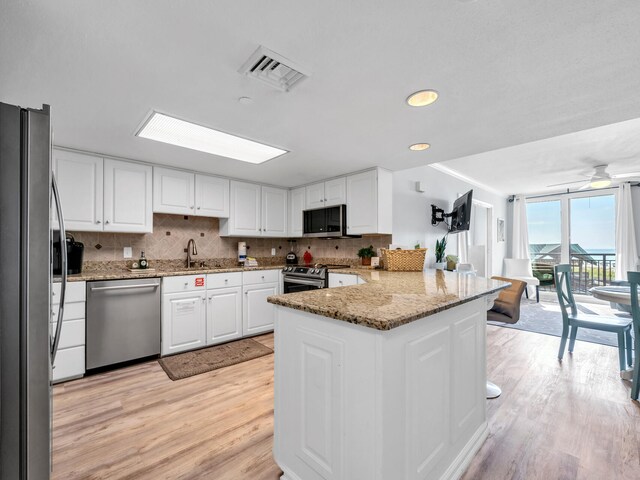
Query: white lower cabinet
[184, 321]
[224, 314]
[201, 310]
[70, 358]
[258, 315]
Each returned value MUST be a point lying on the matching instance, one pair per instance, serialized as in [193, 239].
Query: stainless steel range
[300, 279]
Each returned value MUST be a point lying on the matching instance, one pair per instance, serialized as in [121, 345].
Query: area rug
[187, 364]
[545, 317]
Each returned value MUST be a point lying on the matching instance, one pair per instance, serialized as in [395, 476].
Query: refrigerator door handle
[63, 254]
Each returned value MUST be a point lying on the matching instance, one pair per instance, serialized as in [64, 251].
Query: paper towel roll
[242, 251]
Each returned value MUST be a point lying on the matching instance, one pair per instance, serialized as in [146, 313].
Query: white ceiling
[508, 72]
[537, 167]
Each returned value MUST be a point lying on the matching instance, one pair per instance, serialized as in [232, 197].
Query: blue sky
[592, 222]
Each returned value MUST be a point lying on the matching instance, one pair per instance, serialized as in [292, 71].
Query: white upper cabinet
[80, 183]
[244, 211]
[274, 212]
[186, 193]
[335, 192]
[369, 202]
[212, 196]
[103, 194]
[296, 207]
[315, 195]
[326, 194]
[173, 191]
[256, 211]
[127, 197]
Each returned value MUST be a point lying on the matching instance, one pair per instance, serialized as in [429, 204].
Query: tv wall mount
[438, 215]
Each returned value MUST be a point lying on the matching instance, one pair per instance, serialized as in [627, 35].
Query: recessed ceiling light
[422, 98]
[174, 131]
[245, 100]
[416, 147]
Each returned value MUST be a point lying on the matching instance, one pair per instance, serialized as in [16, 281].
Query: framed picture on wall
[500, 230]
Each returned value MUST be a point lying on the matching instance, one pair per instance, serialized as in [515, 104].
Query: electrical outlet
[273, 252]
[126, 252]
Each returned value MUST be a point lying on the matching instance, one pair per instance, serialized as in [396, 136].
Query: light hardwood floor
[553, 421]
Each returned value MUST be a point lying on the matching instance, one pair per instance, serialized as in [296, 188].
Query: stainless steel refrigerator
[27, 344]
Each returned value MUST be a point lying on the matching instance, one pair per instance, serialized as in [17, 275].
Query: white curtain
[626, 249]
[519, 231]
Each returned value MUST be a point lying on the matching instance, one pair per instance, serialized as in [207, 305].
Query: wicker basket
[404, 260]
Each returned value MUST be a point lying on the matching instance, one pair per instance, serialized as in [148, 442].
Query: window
[577, 228]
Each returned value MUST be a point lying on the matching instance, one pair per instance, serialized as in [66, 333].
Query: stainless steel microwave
[329, 222]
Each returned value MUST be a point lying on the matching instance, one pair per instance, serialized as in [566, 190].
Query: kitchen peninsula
[384, 380]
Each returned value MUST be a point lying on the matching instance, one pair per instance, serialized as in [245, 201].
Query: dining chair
[634, 280]
[571, 318]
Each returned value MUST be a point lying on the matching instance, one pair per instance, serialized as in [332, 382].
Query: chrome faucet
[191, 250]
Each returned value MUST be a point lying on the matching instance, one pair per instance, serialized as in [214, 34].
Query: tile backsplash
[172, 232]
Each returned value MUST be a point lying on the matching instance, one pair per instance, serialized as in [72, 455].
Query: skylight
[174, 131]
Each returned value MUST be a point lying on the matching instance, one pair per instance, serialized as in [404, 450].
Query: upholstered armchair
[506, 308]
[520, 269]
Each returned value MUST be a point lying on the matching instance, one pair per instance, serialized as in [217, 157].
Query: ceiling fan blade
[626, 175]
[565, 183]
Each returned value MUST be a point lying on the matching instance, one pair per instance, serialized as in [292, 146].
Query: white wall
[412, 210]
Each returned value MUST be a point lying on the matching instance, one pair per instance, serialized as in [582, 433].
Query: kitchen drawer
[72, 311]
[184, 283]
[260, 276]
[72, 334]
[76, 292]
[222, 280]
[342, 280]
[69, 363]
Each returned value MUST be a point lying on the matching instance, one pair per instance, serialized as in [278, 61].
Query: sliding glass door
[593, 240]
[546, 249]
[576, 228]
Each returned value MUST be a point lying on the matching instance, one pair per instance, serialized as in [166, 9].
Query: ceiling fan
[600, 178]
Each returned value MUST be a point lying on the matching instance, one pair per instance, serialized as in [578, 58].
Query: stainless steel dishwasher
[123, 320]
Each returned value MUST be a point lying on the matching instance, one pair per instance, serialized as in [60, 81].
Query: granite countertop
[125, 274]
[391, 299]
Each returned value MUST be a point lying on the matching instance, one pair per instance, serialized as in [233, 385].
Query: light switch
[273, 252]
[127, 253]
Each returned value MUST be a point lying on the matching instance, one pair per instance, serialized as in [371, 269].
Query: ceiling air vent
[273, 69]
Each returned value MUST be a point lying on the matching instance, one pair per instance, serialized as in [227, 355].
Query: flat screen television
[461, 213]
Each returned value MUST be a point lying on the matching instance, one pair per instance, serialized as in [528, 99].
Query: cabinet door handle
[106, 222]
[226, 280]
[198, 208]
[325, 199]
[98, 221]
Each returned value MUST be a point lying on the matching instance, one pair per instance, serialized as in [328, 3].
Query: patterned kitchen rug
[187, 364]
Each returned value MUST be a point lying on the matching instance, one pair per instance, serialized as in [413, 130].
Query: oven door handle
[303, 281]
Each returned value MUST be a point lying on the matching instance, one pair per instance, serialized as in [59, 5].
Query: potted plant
[441, 245]
[365, 253]
[452, 261]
